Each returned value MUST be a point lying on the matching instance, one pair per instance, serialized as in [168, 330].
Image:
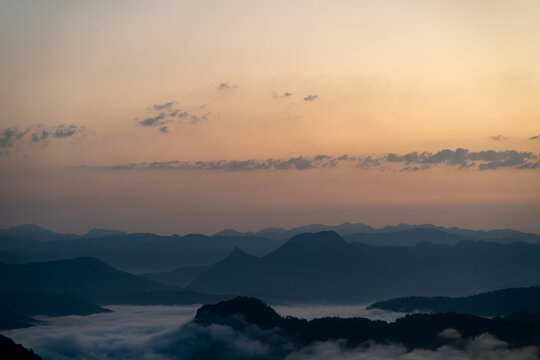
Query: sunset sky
[195, 116]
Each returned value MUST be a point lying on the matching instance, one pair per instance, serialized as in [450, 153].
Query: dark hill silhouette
[82, 276]
[41, 303]
[12, 320]
[413, 331]
[17, 309]
[92, 280]
[11, 351]
[178, 277]
[495, 303]
[323, 266]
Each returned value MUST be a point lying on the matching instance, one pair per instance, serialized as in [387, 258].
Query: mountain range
[324, 267]
[150, 253]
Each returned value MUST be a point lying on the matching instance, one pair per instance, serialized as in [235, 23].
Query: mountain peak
[95, 233]
[251, 309]
[237, 252]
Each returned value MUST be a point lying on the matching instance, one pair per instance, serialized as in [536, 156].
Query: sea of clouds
[165, 333]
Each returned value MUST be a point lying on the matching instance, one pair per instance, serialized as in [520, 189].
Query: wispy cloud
[536, 137]
[498, 138]
[284, 95]
[460, 159]
[167, 114]
[226, 86]
[165, 106]
[311, 97]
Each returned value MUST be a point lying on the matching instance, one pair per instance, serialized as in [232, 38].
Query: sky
[195, 116]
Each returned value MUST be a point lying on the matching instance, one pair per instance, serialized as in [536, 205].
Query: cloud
[157, 121]
[10, 137]
[166, 333]
[498, 138]
[197, 118]
[13, 137]
[165, 106]
[536, 137]
[226, 86]
[166, 115]
[64, 131]
[284, 95]
[460, 159]
[311, 97]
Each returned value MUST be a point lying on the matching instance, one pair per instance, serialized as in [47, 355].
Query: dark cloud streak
[460, 159]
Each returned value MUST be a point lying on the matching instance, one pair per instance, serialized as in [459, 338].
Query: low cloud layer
[13, 137]
[165, 333]
[460, 159]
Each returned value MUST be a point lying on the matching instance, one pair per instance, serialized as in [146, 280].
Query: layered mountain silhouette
[150, 253]
[179, 277]
[72, 286]
[494, 303]
[323, 266]
[257, 321]
[137, 253]
[345, 229]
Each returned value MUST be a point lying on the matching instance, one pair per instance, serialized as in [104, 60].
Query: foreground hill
[495, 303]
[11, 351]
[323, 266]
[256, 321]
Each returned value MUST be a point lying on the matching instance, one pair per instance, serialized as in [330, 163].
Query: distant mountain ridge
[150, 253]
[347, 228]
[324, 267]
[138, 252]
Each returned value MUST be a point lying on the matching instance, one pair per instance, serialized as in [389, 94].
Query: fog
[164, 333]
